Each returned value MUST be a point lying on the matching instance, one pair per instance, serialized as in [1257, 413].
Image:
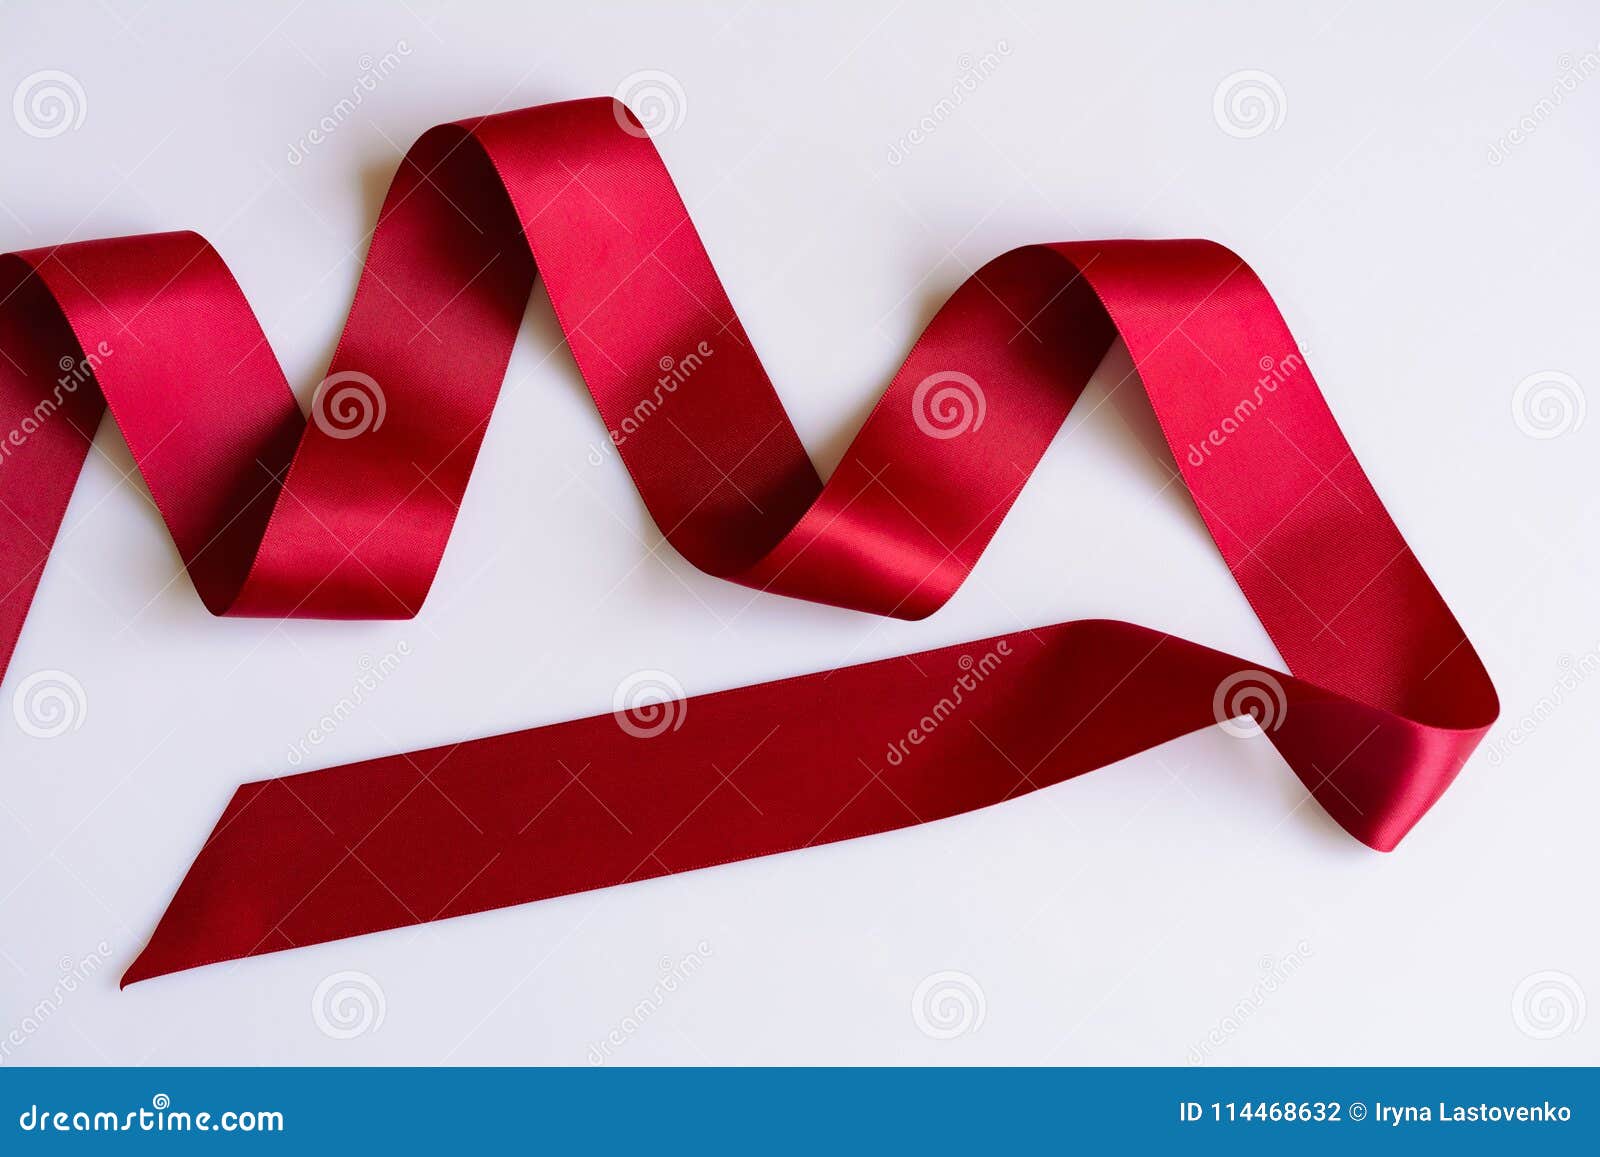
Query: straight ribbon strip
[347, 515]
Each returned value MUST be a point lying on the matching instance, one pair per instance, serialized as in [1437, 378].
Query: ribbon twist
[347, 515]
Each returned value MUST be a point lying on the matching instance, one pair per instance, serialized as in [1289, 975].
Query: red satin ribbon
[347, 516]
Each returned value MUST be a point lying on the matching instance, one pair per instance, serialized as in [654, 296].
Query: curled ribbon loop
[346, 515]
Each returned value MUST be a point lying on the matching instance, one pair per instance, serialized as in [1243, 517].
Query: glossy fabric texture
[347, 516]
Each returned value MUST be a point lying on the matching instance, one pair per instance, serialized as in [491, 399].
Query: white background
[1119, 918]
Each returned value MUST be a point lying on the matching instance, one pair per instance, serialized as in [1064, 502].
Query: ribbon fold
[346, 515]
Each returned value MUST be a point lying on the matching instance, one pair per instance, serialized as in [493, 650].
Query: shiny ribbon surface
[346, 515]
